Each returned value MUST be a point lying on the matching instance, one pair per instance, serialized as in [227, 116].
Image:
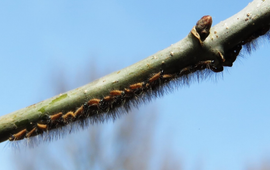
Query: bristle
[251, 42]
[251, 46]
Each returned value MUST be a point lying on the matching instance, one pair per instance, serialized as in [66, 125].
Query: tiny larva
[116, 101]
[135, 86]
[55, 117]
[20, 135]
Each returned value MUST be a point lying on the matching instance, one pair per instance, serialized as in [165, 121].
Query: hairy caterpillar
[98, 109]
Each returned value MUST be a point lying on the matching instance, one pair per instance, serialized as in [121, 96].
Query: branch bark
[223, 38]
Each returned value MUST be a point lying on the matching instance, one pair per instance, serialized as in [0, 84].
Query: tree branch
[221, 47]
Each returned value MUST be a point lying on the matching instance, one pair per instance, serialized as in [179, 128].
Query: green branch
[223, 37]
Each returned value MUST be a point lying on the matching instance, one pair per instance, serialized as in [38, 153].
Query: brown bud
[203, 26]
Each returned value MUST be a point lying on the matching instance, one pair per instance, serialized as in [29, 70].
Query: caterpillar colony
[121, 100]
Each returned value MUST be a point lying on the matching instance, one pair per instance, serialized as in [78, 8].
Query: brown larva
[116, 93]
[42, 126]
[93, 102]
[154, 77]
[136, 86]
[31, 133]
[56, 116]
[68, 115]
[18, 136]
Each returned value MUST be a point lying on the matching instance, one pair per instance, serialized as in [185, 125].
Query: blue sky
[221, 124]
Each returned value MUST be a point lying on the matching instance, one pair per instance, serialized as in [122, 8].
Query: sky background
[221, 124]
